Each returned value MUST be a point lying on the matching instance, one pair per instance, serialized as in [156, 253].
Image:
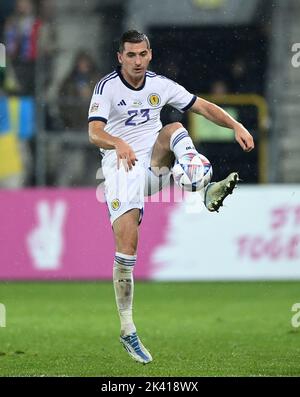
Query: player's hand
[244, 138]
[125, 155]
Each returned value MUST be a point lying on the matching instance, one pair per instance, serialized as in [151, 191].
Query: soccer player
[138, 154]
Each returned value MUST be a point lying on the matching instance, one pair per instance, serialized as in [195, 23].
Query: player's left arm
[220, 117]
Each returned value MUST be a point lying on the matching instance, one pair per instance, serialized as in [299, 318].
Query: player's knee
[126, 244]
[126, 248]
[172, 127]
[126, 240]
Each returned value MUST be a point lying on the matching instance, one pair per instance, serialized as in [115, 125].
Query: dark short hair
[133, 36]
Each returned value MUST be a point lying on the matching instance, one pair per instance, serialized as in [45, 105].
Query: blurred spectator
[6, 8]
[47, 42]
[73, 101]
[241, 78]
[76, 90]
[20, 37]
[219, 87]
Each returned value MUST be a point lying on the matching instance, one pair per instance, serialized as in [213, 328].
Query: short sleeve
[99, 106]
[179, 97]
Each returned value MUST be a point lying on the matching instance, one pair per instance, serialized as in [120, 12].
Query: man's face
[135, 59]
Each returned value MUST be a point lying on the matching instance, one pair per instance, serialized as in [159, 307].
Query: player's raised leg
[174, 140]
[126, 238]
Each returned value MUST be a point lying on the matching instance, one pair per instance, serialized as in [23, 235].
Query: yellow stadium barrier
[262, 111]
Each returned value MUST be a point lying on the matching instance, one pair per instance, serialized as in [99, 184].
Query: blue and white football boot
[135, 348]
[216, 192]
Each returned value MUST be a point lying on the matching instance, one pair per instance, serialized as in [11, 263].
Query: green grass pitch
[191, 329]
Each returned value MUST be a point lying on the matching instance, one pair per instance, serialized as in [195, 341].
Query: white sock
[181, 143]
[123, 286]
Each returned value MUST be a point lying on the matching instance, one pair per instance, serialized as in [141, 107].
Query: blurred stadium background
[228, 282]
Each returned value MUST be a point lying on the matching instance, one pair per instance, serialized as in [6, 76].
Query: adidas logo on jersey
[122, 103]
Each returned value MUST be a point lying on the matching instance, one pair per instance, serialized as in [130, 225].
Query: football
[192, 172]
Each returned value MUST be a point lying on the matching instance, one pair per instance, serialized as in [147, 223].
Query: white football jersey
[133, 114]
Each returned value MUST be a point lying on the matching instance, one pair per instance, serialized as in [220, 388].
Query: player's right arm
[102, 139]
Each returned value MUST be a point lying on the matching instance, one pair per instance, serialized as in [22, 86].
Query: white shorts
[126, 190]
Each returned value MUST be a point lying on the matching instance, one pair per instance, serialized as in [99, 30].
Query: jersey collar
[118, 70]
